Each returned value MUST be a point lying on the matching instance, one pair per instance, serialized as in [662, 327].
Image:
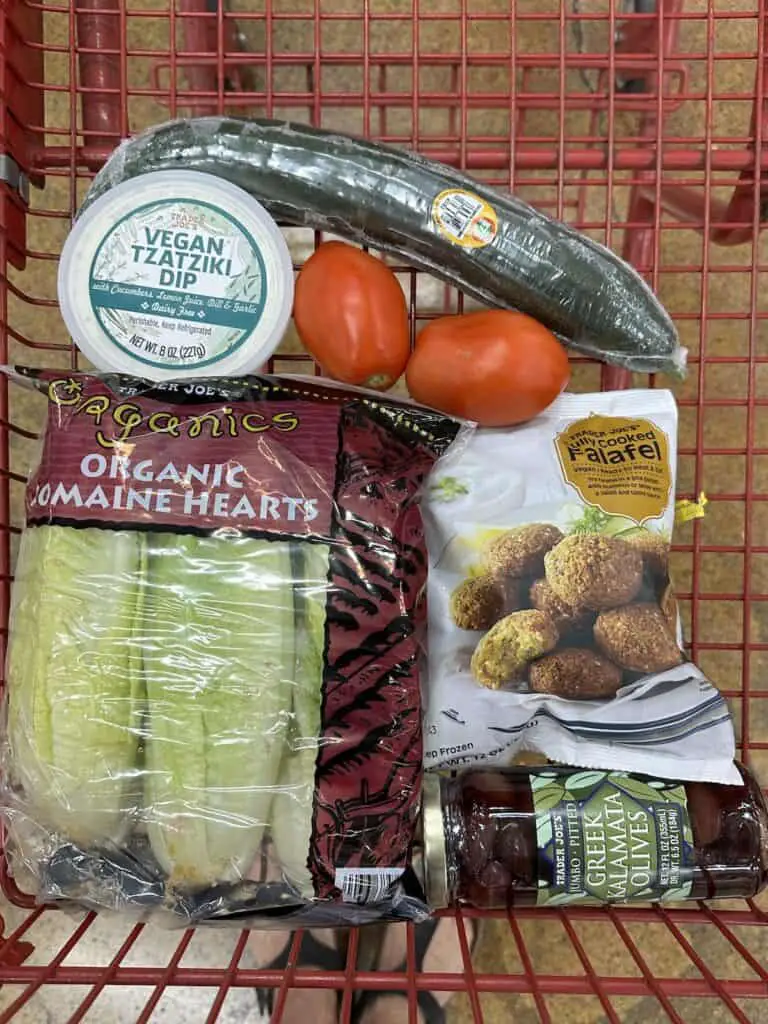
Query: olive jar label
[611, 837]
[618, 464]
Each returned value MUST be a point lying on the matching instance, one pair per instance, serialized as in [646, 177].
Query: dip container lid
[176, 274]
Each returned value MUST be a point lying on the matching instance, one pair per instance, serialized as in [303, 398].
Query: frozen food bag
[552, 623]
[213, 703]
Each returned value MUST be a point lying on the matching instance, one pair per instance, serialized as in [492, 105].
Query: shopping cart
[643, 125]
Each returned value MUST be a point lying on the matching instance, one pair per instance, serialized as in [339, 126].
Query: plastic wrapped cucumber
[492, 245]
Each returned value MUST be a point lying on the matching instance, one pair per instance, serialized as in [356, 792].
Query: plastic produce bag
[552, 623]
[213, 692]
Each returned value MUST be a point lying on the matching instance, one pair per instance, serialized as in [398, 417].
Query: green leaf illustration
[676, 895]
[592, 520]
[544, 832]
[585, 781]
[548, 797]
[447, 489]
[561, 899]
[634, 788]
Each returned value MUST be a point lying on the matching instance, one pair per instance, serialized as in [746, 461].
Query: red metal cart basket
[644, 124]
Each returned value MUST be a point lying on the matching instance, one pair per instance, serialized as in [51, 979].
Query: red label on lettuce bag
[263, 465]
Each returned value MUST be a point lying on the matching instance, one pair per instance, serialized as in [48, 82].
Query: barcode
[365, 885]
[457, 212]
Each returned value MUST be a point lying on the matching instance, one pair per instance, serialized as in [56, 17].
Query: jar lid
[176, 274]
[435, 860]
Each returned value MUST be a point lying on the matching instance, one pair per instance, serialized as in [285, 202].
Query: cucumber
[512, 255]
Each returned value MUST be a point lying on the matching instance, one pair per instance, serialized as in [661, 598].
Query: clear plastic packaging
[213, 691]
[492, 245]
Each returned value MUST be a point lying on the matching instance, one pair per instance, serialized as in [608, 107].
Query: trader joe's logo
[619, 465]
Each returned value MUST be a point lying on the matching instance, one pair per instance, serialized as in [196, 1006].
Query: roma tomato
[497, 368]
[351, 315]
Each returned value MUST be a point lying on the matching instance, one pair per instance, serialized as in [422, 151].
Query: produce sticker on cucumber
[465, 218]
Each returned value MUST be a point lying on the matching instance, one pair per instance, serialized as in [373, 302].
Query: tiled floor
[124, 1004]
[716, 618]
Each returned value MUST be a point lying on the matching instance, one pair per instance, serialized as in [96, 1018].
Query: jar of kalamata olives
[554, 836]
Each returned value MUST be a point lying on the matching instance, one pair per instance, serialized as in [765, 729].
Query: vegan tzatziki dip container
[176, 274]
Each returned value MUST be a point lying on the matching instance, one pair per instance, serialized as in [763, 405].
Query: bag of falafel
[552, 624]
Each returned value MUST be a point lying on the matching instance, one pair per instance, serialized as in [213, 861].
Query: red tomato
[497, 368]
[350, 312]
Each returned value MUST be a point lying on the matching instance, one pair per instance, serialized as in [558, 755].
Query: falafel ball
[638, 638]
[502, 655]
[592, 571]
[565, 616]
[520, 552]
[575, 673]
[654, 550]
[477, 603]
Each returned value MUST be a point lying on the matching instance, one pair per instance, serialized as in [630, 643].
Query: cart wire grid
[641, 122]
